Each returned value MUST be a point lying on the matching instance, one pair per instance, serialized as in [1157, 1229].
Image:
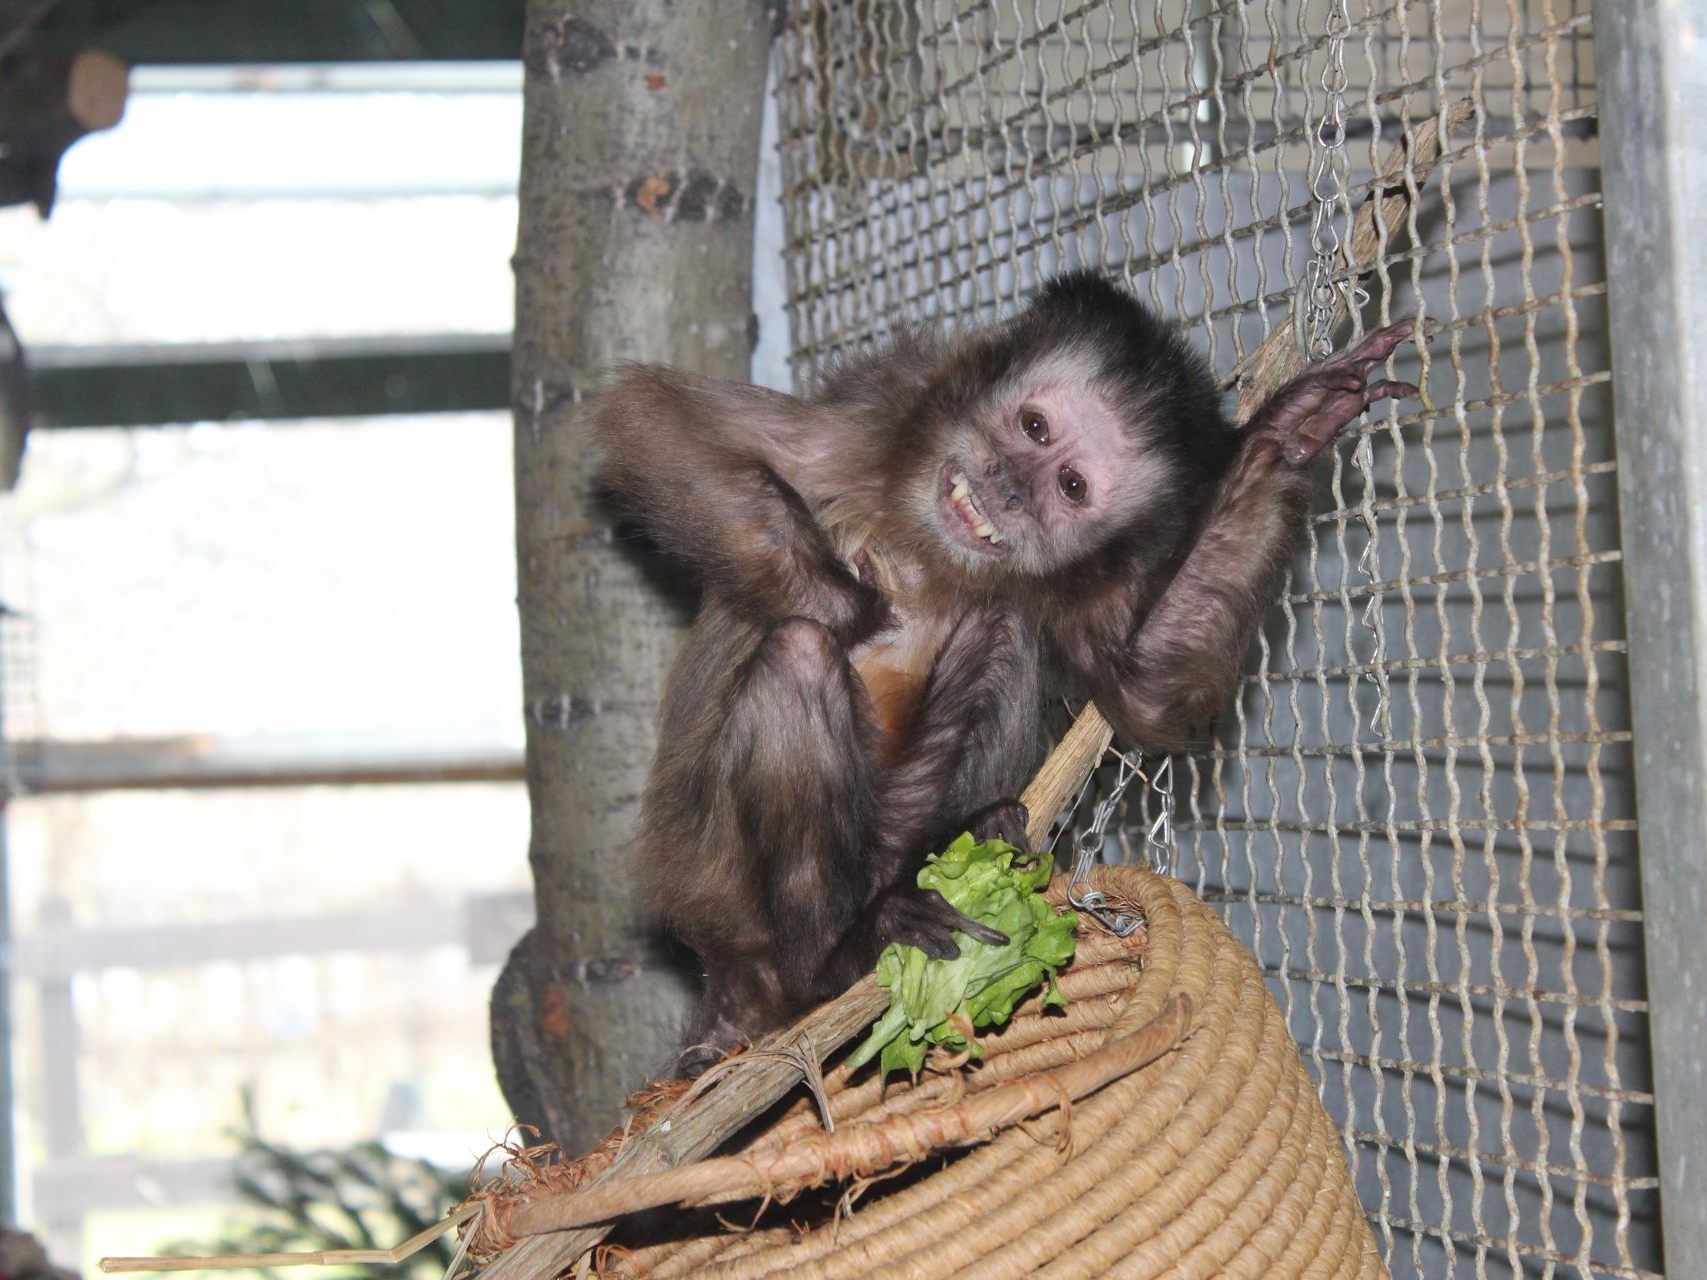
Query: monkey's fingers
[982, 932]
[924, 919]
[1387, 389]
[933, 943]
[945, 915]
[1377, 346]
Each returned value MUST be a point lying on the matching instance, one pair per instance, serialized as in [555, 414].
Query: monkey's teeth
[961, 495]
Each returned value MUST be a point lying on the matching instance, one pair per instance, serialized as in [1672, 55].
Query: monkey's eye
[1072, 485]
[1035, 425]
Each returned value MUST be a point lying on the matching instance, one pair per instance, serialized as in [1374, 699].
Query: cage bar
[1652, 65]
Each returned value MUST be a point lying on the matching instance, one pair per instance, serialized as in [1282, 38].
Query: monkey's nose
[1009, 488]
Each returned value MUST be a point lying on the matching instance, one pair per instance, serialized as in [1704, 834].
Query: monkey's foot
[1311, 410]
[1005, 820]
[922, 918]
[722, 1039]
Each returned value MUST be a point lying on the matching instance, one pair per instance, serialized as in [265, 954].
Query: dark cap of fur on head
[1143, 361]
[1142, 364]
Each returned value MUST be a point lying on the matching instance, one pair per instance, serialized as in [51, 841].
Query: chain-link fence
[1420, 812]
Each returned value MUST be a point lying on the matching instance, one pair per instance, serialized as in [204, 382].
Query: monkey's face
[1035, 476]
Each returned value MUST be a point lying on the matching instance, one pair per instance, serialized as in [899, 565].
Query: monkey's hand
[1300, 418]
[922, 918]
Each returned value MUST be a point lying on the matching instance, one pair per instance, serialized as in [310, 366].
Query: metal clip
[1087, 850]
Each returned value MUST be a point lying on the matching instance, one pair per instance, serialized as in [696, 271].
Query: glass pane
[325, 953]
[303, 578]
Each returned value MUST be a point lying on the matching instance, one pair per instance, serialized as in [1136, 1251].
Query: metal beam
[55, 766]
[486, 925]
[158, 385]
[230, 31]
[1651, 70]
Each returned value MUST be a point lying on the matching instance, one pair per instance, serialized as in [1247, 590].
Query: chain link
[1330, 171]
[1090, 840]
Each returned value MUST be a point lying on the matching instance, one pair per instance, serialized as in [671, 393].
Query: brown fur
[868, 670]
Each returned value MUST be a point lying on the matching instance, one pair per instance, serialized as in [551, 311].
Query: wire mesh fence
[1419, 814]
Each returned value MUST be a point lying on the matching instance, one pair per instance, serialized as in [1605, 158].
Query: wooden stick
[308, 1258]
[864, 1150]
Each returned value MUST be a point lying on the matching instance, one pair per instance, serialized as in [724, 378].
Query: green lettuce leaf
[984, 983]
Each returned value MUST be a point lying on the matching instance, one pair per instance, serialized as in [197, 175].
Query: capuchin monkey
[898, 572]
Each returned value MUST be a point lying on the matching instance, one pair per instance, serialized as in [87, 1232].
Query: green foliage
[358, 1197]
[984, 983]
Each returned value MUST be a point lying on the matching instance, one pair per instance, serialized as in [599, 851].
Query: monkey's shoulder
[884, 378]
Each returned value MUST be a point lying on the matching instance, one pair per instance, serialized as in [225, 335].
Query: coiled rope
[1163, 1124]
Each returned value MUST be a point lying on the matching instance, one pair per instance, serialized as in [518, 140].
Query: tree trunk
[641, 126]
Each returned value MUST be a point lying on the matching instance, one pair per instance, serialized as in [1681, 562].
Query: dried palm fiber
[1214, 1159]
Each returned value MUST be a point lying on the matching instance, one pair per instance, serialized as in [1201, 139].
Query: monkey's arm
[1168, 677]
[709, 468]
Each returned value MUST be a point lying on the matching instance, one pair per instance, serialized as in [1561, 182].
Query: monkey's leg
[1175, 674]
[796, 774]
[977, 725]
[972, 744]
[743, 999]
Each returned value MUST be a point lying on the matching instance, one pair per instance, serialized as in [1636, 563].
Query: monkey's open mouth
[957, 498]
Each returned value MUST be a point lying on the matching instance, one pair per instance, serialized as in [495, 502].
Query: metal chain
[1329, 171]
[1369, 564]
[1089, 841]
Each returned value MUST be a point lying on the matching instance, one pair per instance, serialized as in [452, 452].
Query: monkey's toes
[1005, 820]
[695, 1060]
[924, 919]
[1377, 346]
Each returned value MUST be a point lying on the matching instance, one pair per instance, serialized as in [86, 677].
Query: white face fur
[1046, 472]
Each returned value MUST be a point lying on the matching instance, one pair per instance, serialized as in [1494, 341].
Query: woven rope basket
[1216, 1159]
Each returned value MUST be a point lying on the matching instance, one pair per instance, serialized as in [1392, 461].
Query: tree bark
[641, 126]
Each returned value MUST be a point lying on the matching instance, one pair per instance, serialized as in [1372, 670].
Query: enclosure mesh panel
[1419, 813]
